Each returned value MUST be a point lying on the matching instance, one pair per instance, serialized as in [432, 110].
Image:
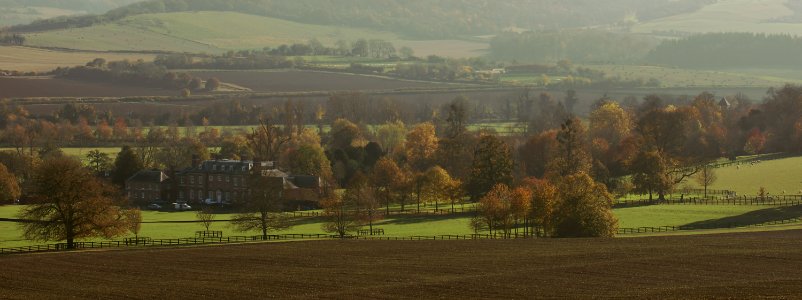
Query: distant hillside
[413, 18]
[730, 50]
[755, 16]
[196, 32]
[14, 12]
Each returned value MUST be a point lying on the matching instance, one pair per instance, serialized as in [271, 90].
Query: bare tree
[706, 177]
[263, 207]
[206, 217]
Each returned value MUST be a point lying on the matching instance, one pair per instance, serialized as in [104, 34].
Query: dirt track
[748, 265]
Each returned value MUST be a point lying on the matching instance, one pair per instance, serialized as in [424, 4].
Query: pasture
[217, 32]
[744, 265]
[674, 77]
[183, 224]
[677, 78]
[727, 16]
[27, 59]
[778, 176]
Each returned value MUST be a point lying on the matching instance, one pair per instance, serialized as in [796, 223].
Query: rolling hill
[757, 16]
[217, 32]
[15, 12]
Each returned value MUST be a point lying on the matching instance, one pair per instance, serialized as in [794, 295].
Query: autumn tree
[392, 136]
[212, 84]
[543, 202]
[572, 155]
[538, 151]
[706, 177]
[755, 142]
[341, 214]
[9, 186]
[266, 141]
[611, 123]
[385, 179]
[134, 217]
[421, 144]
[492, 164]
[364, 197]
[664, 158]
[310, 160]
[438, 186]
[584, 208]
[492, 207]
[70, 203]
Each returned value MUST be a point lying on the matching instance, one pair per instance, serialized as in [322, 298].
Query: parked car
[182, 206]
[154, 206]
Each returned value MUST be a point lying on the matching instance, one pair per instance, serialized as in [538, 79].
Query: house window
[182, 179]
[180, 194]
[143, 195]
[228, 178]
[211, 195]
[200, 194]
[200, 179]
[191, 180]
[236, 181]
[228, 196]
[214, 167]
[220, 178]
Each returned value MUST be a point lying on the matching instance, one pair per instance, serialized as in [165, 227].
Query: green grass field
[430, 225]
[777, 176]
[674, 77]
[727, 16]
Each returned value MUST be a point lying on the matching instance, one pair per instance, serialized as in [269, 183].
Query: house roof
[152, 176]
[222, 166]
[724, 102]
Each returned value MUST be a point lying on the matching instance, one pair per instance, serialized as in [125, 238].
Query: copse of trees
[585, 45]
[127, 72]
[729, 50]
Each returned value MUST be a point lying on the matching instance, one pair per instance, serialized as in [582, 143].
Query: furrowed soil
[748, 265]
[299, 81]
[24, 87]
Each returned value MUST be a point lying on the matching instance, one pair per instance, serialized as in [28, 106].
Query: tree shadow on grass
[773, 214]
[414, 219]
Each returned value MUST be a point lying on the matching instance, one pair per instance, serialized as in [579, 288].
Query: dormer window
[214, 167]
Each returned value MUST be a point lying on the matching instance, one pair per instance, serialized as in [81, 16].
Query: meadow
[183, 224]
[778, 176]
[677, 78]
[727, 16]
[27, 59]
[218, 32]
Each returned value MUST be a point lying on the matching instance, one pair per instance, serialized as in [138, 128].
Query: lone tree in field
[134, 217]
[341, 214]
[206, 217]
[262, 209]
[71, 203]
[706, 177]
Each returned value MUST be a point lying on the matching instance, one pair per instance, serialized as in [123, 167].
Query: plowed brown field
[739, 266]
[22, 87]
[300, 81]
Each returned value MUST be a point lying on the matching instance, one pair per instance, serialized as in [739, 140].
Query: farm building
[148, 186]
[222, 181]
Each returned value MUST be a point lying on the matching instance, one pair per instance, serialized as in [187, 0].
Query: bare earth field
[746, 265]
[21, 87]
[298, 81]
